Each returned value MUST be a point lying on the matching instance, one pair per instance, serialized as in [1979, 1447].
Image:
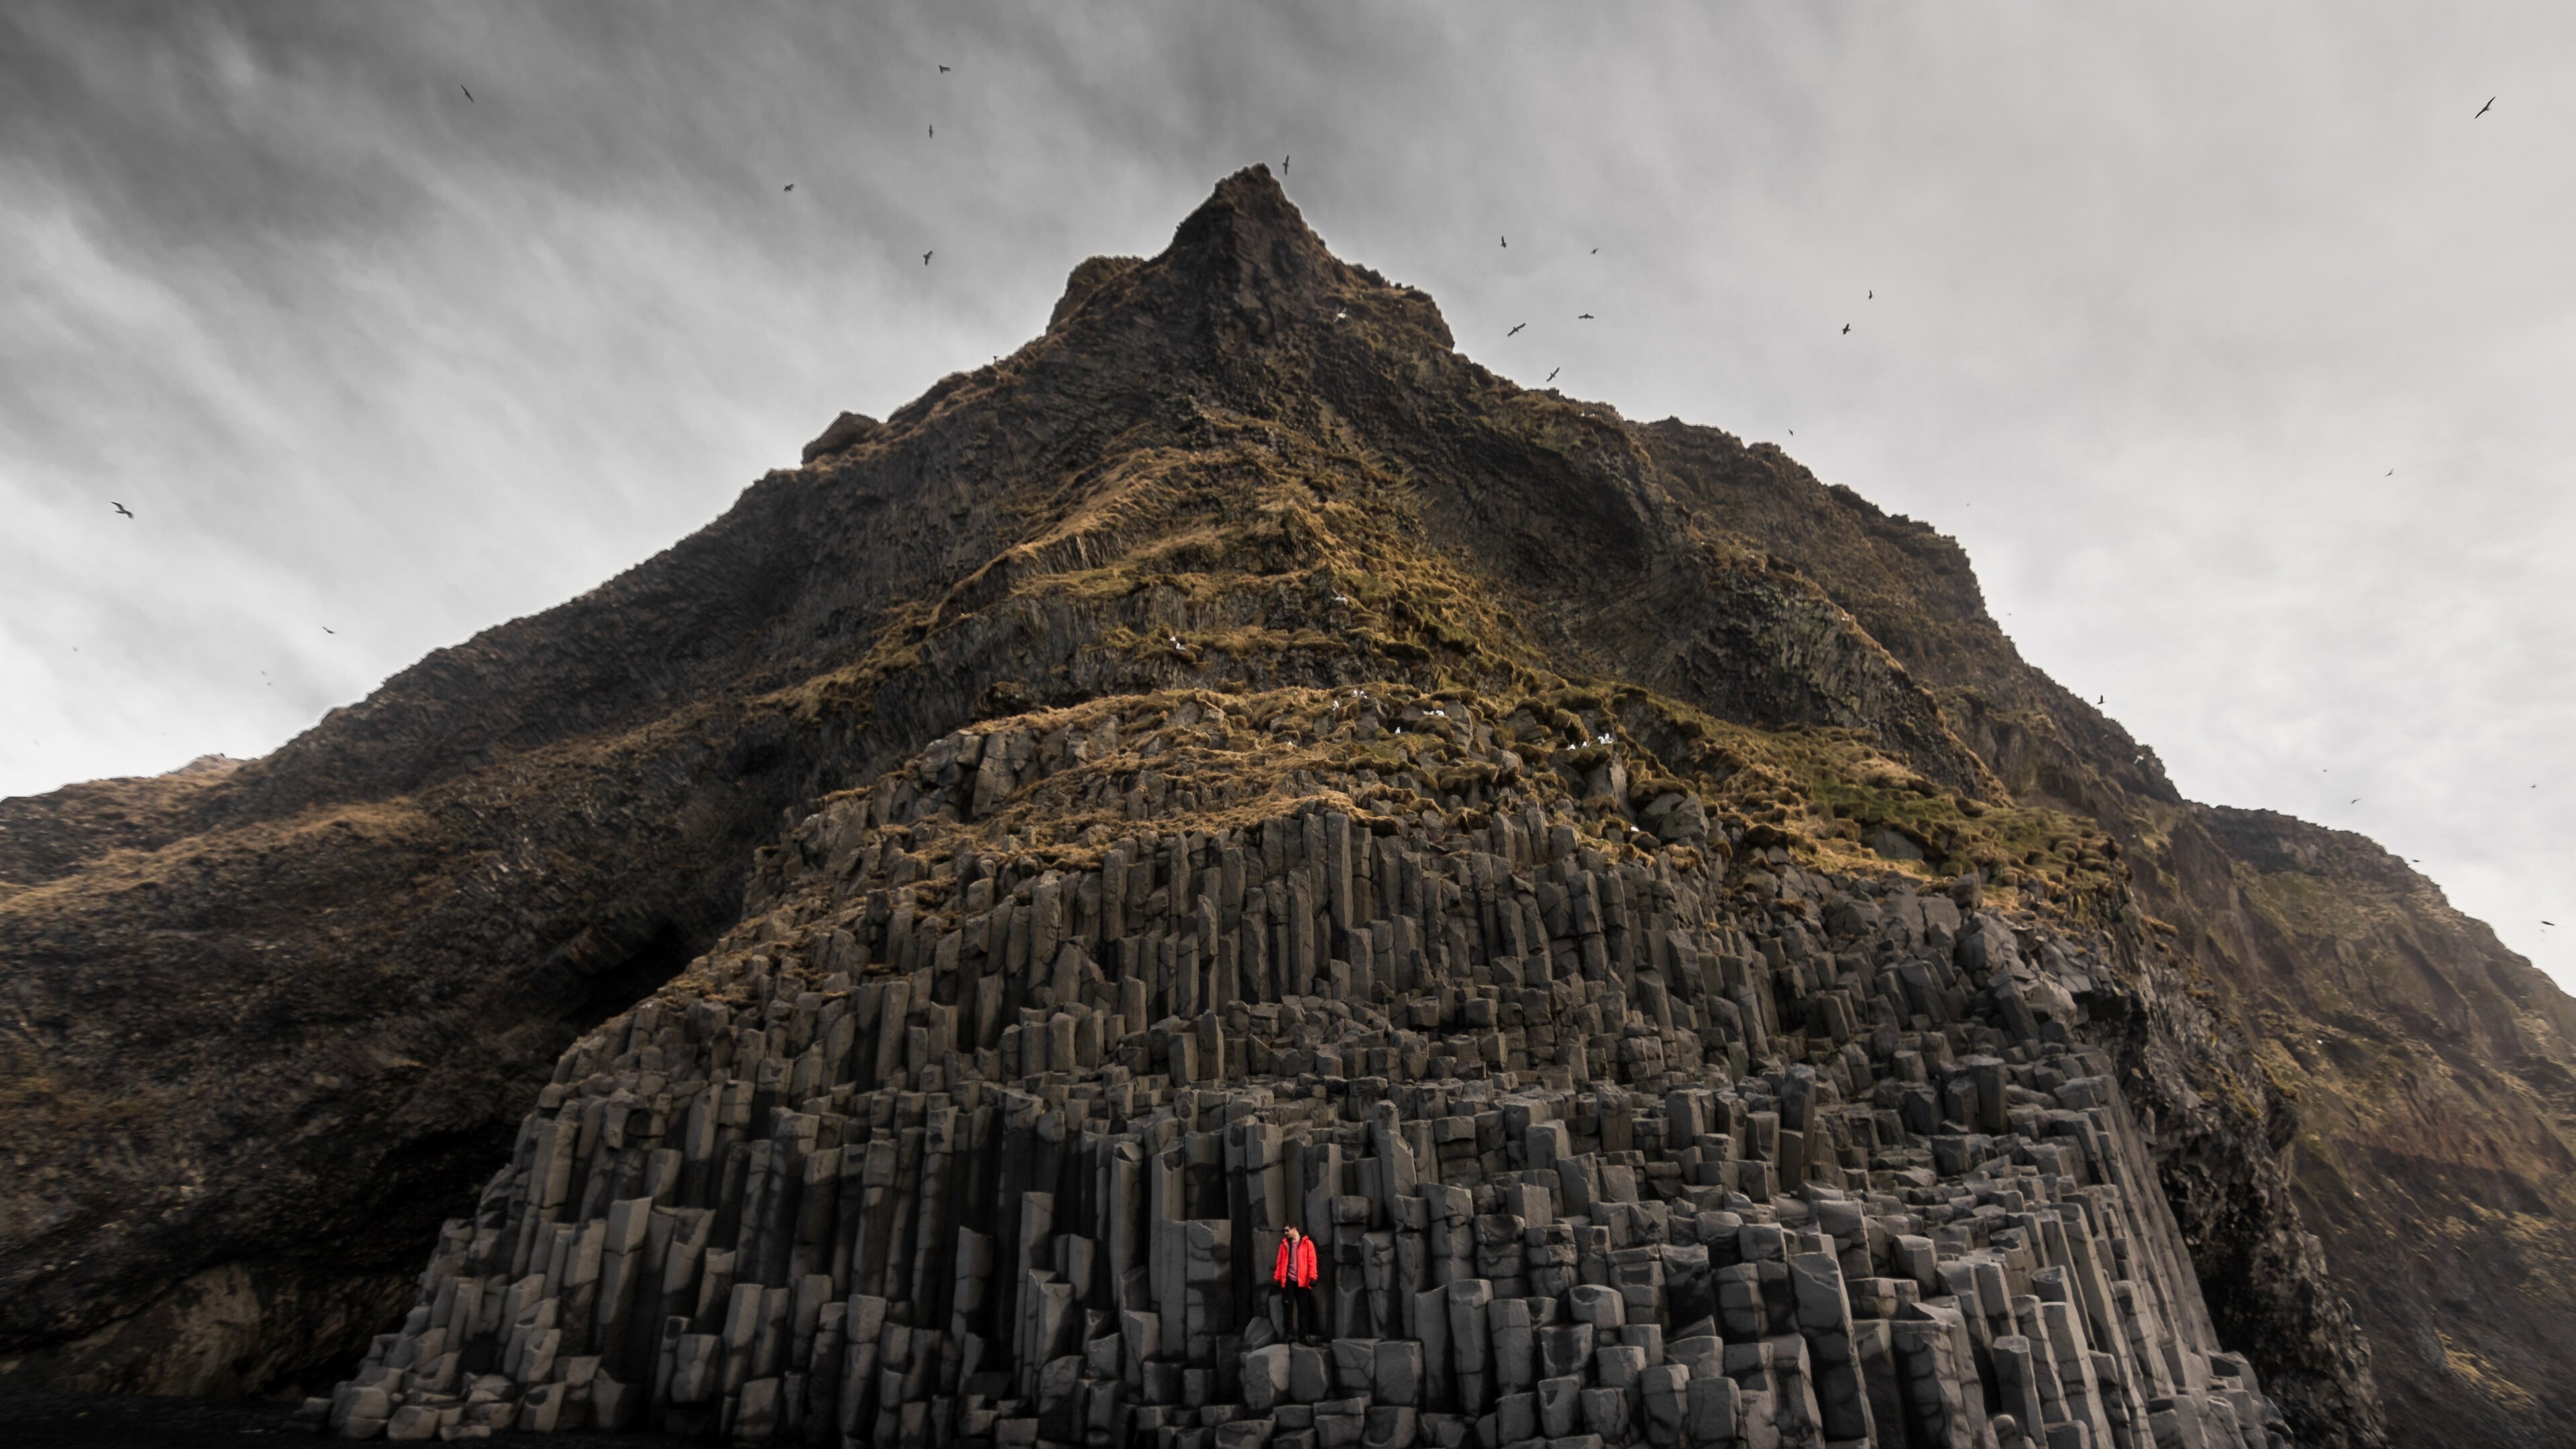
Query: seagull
[1551, 374]
[943, 70]
[1507, 241]
[327, 629]
[2354, 801]
[934, 133]
[2482, 110]
[791, 186]
[121, 508]
[469, 95]
[1596, 251]
[1872, 297]
[1515, 332]
[1341, 316]
[1847, 327]
[1585, 317]
[925, 259]
[1283, 164]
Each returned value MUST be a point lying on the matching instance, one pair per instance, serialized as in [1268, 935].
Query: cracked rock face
[986, 1124]
[888, 967]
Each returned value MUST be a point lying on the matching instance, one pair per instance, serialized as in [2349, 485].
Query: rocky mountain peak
[1247, 267]
[1249, 237]
[1239, 743]
[1248, 245]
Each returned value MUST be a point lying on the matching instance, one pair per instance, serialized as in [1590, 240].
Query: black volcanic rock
[268, 1029]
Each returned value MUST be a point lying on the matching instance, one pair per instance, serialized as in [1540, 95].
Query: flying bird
[925, 259]
[469, 95]
[327, 629]
[791, 186]
[1872, 297]
[2482, 110]
[943, 70]
[121, 508]
[934, 133]
[1596, 251]
[1585, 317]
[2354, 800]
[1283, 164]
[1507, 241]
[1516, 331]
[1847, 327]
[2391, 473]
[1552, 372]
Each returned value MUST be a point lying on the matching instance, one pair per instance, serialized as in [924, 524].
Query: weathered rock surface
[963, 1137]
[708, 850]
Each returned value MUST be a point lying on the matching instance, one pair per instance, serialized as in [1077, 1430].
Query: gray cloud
[2161, 296]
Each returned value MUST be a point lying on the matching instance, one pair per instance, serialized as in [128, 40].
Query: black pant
[1299, 1310]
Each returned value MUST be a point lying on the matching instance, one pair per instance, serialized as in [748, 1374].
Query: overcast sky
[2164, 293]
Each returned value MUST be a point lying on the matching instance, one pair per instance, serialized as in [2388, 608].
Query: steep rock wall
[949, 1144]
[1238, 466]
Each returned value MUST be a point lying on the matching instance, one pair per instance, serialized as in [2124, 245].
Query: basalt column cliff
[888, 970]
[1595, 1150]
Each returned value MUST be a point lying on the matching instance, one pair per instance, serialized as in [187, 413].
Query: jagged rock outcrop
[266, 1028]
[963, 1138]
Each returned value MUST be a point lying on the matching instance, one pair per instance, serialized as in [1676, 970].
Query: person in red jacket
[1293, 1272]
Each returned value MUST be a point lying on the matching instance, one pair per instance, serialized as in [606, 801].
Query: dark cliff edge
[264, 1030]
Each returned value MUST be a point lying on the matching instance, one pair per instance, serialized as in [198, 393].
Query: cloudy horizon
[2233, 347]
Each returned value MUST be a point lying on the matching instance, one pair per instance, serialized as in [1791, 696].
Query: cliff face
[2420, 1072]
[2431, 1068]
[267, 1029]
[984, 1124]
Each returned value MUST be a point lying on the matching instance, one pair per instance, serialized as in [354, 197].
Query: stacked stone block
[1598, 1147]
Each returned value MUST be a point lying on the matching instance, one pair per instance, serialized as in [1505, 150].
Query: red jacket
[1295, 1266]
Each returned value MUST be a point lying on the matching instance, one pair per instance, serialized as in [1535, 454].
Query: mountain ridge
[1185, 480]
